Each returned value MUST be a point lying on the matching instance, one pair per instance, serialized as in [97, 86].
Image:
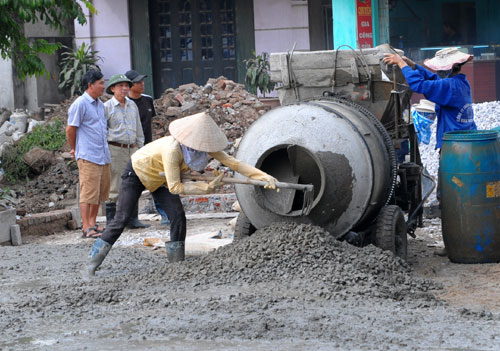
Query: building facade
[182, 41]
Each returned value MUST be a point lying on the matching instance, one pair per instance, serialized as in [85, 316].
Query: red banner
[364, 23]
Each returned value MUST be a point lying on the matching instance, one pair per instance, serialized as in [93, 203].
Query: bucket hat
[425, 106]
[446, 58]
[198, 132]
[117, 78]
[135, 76]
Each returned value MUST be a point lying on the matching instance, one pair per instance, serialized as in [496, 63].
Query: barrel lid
[467, 135]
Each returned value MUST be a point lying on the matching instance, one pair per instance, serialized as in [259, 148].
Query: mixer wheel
[390, 232]
[243, 227]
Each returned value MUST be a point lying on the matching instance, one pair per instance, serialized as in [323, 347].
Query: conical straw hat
[199, 132]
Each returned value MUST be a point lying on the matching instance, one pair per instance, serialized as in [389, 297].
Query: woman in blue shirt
[447, 88]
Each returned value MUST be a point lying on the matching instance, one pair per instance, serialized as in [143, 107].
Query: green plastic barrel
[470, 196]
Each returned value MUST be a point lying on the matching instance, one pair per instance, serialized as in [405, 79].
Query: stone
[7, 129]
[17, 136]
[15, 235]
[4, 115]
[188, 106]
[236, 206]
[39, 159]
[33, 123]
[75, 215]
[7, 218]
[173, 111]
[207, 89]
[232, 223]
[221, 85]
[189, 88]
[179, 98]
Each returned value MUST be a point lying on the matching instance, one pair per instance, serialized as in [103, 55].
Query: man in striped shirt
[125, 136]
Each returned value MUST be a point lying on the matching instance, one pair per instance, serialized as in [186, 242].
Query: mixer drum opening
[290, 164]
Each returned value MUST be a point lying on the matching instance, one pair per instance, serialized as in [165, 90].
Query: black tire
[391, 231]
[243, 227]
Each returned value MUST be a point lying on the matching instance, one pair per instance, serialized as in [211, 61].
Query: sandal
[96, 228]
[86, 234]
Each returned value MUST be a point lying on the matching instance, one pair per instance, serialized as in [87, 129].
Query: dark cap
[134, 76]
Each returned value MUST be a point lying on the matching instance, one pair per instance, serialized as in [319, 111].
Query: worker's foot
[135, 223]
[165, 220]
[440, 251]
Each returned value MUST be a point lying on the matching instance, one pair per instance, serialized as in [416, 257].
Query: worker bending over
[194, 140]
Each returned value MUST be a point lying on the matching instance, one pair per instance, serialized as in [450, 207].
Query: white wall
[6, 86]
[279, 24]
[108, 31]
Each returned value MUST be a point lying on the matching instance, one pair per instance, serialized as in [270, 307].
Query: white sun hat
[199, 132]
[446, 58]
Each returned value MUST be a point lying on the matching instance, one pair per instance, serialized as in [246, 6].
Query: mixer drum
[337, 146]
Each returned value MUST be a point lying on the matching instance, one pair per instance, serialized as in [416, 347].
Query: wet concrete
[288, 287]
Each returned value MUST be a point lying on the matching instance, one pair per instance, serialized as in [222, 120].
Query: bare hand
[394, 59]
[409, 62]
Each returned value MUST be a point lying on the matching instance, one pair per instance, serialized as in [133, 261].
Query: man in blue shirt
[87, 134]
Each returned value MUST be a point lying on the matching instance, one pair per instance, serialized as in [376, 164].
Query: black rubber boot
[175, 251]
[134, 221]
[97, 254]
[110, 212]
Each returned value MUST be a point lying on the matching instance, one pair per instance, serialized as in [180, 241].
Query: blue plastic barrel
[470, 196]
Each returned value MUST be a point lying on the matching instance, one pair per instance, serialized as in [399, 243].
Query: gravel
[289, 286]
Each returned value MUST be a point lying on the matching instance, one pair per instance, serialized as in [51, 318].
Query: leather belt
[126, 146]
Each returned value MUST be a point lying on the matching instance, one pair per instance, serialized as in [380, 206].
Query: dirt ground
[213, 302]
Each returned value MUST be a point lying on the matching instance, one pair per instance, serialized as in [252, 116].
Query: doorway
[459, 23]
[192, 41]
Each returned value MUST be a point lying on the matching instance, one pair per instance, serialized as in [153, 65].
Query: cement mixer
[354, 142]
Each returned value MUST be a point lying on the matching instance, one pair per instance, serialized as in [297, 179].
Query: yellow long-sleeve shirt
[165, 155]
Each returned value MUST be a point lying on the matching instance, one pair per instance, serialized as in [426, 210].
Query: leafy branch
[257, 74]
[25, 52]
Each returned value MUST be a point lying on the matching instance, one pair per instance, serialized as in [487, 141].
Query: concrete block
[7, 218]
[75, 215]
[15, 235]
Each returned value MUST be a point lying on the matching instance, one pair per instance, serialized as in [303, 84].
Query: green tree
[23, 51]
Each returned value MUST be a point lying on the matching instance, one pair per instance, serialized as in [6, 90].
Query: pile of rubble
[232, 107]
[13, 125]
